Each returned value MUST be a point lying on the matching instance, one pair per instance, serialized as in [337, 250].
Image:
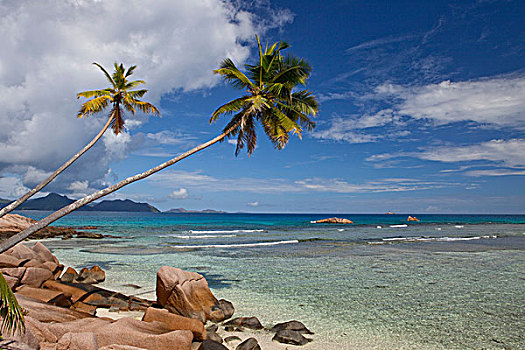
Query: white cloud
[79, 186]
[181, 193]
[503, 152]
[497, 101]
[381, 185]
[35, 176]
[379, 42]
[495, 172]
[360, 129]
[207, 183]
[11, 187]
[253, 204]
[232, 142]
[48, 48]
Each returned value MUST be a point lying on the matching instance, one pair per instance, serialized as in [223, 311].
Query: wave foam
[436, 239]
[399, 226]
[202, 236]
[237, 245]
[226, 231]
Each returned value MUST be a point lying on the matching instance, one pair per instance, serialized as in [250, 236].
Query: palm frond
[286, 123]
[233, 75]
[133, 84]
[118, 75]
[106, 74]
[137, 93]
[93, 106]
[145, 107]
[271, 98]
[93, 93]
[130, 71]
[228, 108]
[10, 311]
[127, 103]
[120, 95]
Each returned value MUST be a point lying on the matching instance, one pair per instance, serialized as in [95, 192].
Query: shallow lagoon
[445, 283]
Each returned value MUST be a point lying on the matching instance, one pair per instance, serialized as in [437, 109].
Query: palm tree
[119, 95]
[270, 99]
[10, 311]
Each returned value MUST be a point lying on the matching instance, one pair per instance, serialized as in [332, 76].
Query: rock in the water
[287, 336]
[97, 273]
[412, 218]
[214, 336]
[232, 338]
[233, 329]
[89, 235]
[333, 221]
[70, 275]
[227, 308]
[211, 345]
[291, 325]
[83, 274]
[187, 294]
[13, 223]
[247, 322]
[176, 322]
[249, 344]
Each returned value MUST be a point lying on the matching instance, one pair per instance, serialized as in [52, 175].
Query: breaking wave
[236, 245]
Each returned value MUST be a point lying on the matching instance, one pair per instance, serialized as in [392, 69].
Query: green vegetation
[10, 311]
[118, 95]
[271, 99]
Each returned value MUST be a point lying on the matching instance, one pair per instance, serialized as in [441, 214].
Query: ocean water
[446, 282]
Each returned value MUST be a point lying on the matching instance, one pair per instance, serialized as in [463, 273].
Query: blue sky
[422, 106]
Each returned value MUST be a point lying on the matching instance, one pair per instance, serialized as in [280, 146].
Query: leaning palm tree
[10, 311]
[119, 95]
[270, 98]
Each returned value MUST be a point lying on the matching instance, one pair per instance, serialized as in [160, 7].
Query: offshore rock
[333, 221]
[14, 223]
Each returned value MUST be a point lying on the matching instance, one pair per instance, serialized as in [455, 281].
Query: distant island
[205, 211]
[55, 201]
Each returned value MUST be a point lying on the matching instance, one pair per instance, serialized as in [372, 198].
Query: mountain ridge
[55, 201]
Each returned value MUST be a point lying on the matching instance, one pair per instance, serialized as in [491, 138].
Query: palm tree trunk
[20, 236]
[51, 177]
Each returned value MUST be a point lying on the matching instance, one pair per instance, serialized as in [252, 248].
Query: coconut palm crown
[119, 95]
[271, 98]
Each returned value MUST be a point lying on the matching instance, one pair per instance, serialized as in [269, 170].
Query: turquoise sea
[446, 282]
